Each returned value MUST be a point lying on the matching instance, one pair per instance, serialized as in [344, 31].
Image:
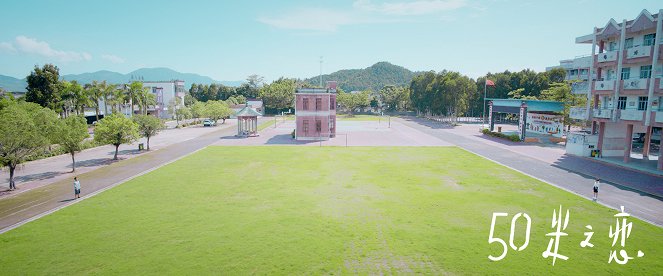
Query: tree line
[450, 93]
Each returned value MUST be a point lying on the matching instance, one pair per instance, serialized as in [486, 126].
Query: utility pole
[321, 72]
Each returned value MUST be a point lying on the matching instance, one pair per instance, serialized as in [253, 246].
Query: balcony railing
[635, 84]
[659, 116]
[604, 85]
[631, 115]
[580, 87]
[607, 56]
[638, 51]
[602, 113]
[578, 113]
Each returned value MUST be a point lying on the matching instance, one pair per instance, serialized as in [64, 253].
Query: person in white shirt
[77, 188]
[596, 189]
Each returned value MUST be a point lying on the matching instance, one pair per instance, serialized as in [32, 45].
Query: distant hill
[12, 84]
[148, 74]
[374, 77]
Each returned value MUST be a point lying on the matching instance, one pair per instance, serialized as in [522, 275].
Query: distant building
[315, 112]
[576, 68]
[256, 104]
[165, 92]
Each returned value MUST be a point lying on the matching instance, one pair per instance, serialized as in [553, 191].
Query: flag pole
[483, 115]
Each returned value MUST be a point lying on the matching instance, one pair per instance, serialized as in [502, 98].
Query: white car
[208, 122]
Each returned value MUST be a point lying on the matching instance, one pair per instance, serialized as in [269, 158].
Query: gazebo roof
[247, 111]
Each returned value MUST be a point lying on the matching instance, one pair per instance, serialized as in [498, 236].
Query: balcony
[580, 87]
[607, 56]
[602, 113]
[659, 116]
[632, 115]
[633, 84]
[604, 85]
[578, 113]
[638, 52]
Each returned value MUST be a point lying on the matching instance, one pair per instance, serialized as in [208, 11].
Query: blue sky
[229, 40]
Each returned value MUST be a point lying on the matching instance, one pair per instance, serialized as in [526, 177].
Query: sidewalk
[622, 187]
[42, 172]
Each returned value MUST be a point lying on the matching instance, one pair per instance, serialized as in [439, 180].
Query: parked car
[208, 122]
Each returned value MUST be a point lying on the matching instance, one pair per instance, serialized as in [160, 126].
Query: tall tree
[352, 101]
[43, 87]
[94, 94]
[19, 137]
[149, 126]
[116, 130]
[216, 110]
[71, 133]
[279, 95]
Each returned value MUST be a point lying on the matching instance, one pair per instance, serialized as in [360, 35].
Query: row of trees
[27, 128]
[219, 92]
[46, 89]
[214, 110]
[451, 93]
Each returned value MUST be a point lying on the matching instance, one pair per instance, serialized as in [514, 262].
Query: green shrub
[511, 137]
[293, 134]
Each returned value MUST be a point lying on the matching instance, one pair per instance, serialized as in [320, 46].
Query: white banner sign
[545, 124]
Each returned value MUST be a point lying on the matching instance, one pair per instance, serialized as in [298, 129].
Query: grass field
[309, 210]
[346, 117]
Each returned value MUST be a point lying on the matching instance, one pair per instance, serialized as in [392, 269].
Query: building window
[612, 46]
[305, 126]
[626, 73]
[649, 40]
[621, 103]
[628, 43]
[318, 126]
[645, 71]
[305, 104]
[318, 104]
[332, 104]
[642, 103]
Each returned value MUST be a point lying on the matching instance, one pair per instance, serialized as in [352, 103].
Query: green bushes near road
[512, 137]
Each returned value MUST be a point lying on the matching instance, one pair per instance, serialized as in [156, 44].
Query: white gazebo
[247, 122]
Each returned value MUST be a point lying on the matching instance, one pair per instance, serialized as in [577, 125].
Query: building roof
[644, 20]
[247, 111]
[532, 105]
[315, 90]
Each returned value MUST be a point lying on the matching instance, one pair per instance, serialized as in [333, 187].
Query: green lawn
[266, 124]
[310, 211]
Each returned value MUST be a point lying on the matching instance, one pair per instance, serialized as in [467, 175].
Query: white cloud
[362, 12]
[411, 8]
[7, 47]
[311, 19]
[113, 58]
[27, 45]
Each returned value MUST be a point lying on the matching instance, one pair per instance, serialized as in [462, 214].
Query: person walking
[77, 188]
[596, 189]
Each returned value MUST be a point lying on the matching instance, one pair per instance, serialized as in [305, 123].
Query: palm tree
[93, 93]
[134, 90]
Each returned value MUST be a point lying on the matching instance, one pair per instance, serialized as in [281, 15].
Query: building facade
[315, 112]
[625, 99]
[577, 69]
[165, 91]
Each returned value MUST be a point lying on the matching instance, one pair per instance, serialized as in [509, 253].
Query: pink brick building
[315, 112]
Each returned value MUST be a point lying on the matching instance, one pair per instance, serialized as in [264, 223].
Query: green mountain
[373, 78]
[12, 84]
[149, 74]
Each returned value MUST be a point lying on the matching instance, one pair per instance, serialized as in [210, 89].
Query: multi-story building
[627, 92]
[315, 112]
[577, 69]
[165, 91]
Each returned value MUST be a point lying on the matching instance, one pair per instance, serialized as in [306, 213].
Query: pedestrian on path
[77, 188]
[596, 189]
